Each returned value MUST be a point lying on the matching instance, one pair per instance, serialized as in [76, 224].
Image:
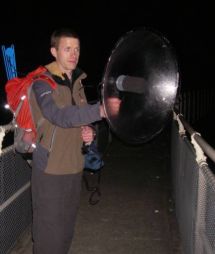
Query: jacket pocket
[40, 158]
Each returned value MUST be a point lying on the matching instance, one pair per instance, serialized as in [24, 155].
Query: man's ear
[53, 52]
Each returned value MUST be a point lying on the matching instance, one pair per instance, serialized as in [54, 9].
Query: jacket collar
[54, 70]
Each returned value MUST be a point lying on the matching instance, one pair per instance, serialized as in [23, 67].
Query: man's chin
[72, 67]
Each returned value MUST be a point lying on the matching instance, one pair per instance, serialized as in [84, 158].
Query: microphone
[131, 84]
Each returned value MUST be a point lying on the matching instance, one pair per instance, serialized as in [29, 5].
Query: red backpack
[17, 92]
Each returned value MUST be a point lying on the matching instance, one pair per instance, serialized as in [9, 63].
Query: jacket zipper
[52, 139]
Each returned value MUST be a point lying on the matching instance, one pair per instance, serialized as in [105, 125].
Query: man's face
[67, 54]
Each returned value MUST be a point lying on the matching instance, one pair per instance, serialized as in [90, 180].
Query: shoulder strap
[46, 78]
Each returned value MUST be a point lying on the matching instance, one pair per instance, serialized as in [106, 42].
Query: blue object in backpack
[93, 160]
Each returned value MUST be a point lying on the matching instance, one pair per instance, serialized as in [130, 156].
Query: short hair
[62, 32]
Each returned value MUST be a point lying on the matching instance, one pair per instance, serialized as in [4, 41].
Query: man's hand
[113, 105]
[87, 134]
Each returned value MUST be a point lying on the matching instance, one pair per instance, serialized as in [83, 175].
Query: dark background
[188, 26]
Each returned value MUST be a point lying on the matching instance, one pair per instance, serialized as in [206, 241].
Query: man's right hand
[113, 106]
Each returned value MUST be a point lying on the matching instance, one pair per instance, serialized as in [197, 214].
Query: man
[57, 159]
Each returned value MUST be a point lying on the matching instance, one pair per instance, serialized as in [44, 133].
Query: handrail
[207, 149]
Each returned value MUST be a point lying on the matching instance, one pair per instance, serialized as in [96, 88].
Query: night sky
[101, 24]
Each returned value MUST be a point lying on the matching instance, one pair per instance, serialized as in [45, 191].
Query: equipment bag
[17, 93]
[93, 159]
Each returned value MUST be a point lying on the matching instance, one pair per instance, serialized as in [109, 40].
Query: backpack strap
[46, 78]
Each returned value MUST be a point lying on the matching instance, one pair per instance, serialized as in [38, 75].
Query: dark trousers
[55, 200]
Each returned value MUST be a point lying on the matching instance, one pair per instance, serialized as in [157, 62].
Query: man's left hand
[87, 134]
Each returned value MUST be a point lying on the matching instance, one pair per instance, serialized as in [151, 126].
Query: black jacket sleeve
[67, 117]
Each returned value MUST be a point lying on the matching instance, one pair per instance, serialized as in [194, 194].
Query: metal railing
[195, 104]
[194, 188]
[15, 198]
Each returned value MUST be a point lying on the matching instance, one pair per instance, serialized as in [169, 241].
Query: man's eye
[77, 50]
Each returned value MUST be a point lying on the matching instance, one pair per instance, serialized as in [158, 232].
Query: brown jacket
[59, 139]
